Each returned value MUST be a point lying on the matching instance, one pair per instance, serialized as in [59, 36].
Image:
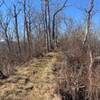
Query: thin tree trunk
[24, 9]
[16, 29]
[90, 74]
[89, 13]
[7, 41]
[53, 23]
[49, 24]
[46, 27]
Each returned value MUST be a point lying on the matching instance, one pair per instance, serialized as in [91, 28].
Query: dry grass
[34, 81]
[42, 79]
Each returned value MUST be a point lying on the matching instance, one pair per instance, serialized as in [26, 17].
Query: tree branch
[2, 2]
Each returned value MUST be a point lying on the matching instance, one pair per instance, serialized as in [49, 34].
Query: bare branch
[54, 16]
[63, 6]
[1, 3]
[89, 12]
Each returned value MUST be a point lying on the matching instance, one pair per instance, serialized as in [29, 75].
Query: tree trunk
[16, 29]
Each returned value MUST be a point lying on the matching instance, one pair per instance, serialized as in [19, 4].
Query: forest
[49, 50]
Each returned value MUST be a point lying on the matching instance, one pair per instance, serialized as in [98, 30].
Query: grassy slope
[32, 81]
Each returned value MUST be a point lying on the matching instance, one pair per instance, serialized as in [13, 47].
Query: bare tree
[47, 23]
[89, 14]
[4, 25]
[24, 10]
[28, 24]
[54, 21]
[16, 27]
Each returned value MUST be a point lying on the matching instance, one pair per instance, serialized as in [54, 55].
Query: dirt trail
[32, 81]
